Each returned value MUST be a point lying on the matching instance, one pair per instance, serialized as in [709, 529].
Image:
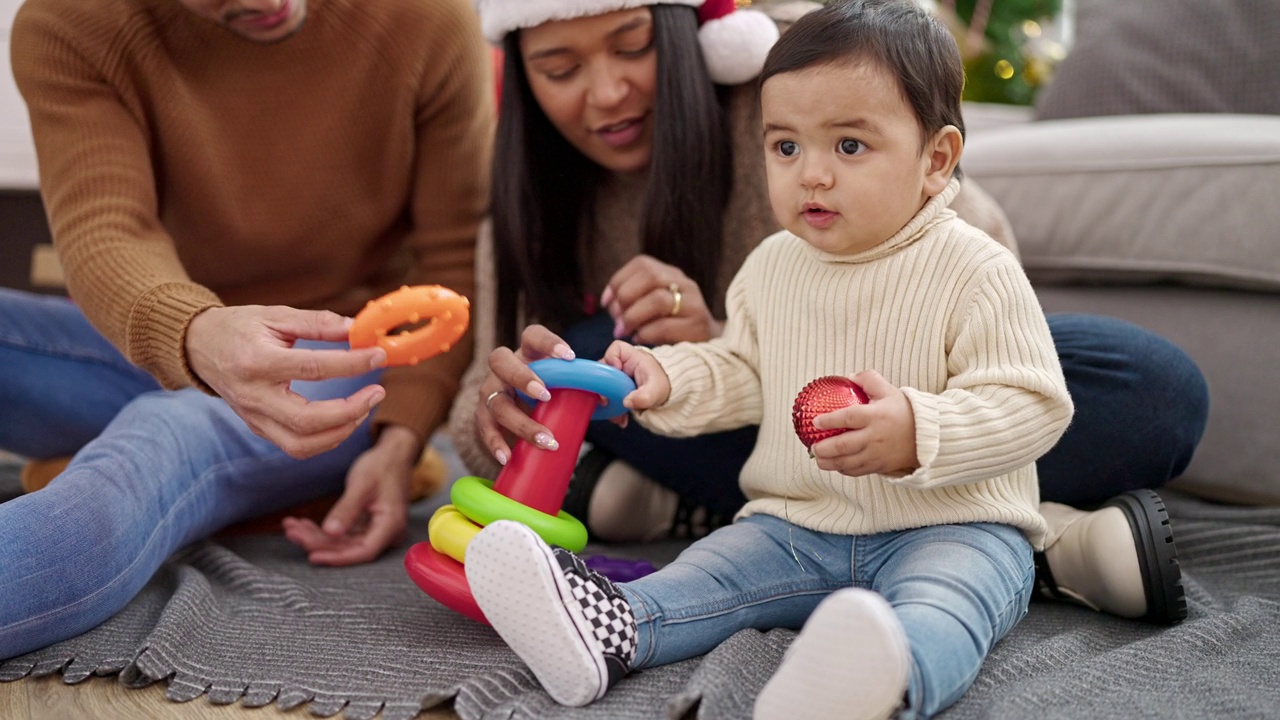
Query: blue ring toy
[589, 375]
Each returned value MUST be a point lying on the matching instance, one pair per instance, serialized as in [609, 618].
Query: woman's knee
[1114, 364]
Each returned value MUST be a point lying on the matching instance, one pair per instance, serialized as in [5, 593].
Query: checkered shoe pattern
[605, 610]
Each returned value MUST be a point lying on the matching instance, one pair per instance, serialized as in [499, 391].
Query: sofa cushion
[1232, 336]
[1168, 56]
[1183, 198]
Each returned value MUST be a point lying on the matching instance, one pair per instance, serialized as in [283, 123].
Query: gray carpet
[248, 620]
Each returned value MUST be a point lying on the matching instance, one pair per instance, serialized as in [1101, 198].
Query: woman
[629, 186]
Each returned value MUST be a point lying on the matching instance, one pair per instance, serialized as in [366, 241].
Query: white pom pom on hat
[734, 41]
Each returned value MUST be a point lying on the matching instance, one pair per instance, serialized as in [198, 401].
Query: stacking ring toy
[475, 498]
[447, 311]
[529, 489]
[578, 374]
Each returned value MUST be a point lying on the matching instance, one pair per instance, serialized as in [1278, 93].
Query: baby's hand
[653, 387]
[881, 436]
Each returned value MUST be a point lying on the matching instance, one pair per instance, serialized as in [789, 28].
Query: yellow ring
[450, 532]
[676, 299]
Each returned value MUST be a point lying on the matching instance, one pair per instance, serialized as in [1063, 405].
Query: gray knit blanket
[248, 620]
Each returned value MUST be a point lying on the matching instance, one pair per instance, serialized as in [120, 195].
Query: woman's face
[594, 78]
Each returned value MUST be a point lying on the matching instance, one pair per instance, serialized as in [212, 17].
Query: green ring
[476, 498]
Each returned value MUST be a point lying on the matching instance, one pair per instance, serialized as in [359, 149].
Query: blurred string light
[1010, 47]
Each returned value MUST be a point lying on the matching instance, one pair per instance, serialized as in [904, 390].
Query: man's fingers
[302, 444]
[383, 532]
[289, 364]
[308, 324]
[386, 528]
[344, 513]
[314, 417]
[306, 534]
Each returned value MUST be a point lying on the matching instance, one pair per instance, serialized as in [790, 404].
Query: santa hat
[734, 42]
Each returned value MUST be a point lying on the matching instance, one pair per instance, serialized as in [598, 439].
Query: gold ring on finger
[676, 299]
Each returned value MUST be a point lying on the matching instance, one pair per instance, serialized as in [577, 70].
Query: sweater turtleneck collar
[929, 215]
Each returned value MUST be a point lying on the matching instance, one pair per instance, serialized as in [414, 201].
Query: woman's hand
[372, 514]
[881, 437]
[642, 299]
[246, 355]
[498, 410]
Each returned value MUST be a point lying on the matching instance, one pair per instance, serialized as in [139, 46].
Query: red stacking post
[539, 478]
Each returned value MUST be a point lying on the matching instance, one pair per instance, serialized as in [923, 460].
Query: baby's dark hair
[897, 34]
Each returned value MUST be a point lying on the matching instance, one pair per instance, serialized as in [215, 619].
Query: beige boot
[1119, 559]
[620, 504]
[38, 473]
[626, 506]
[428, 475]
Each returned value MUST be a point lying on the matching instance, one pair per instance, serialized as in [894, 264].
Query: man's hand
[247, 355]
[372, 514]
[882, 435]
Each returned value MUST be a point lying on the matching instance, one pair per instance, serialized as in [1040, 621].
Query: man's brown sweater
[184, 167]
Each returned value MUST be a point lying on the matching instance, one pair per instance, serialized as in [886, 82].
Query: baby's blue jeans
[957, 589]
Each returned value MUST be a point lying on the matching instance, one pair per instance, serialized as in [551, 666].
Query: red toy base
[443, 578]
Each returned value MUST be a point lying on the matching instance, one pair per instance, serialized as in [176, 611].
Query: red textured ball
[824, 395]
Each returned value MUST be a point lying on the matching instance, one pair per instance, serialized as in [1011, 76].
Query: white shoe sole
[850, 662]
[521, 589]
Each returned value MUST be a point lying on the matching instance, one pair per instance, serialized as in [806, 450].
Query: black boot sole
[1157, 555]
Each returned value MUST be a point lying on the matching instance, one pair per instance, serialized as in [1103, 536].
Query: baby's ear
[943, 154]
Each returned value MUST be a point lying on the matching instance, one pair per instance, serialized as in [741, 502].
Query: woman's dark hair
[543, 188]
[897, 34]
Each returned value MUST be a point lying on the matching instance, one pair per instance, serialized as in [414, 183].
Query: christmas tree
[1008, 55]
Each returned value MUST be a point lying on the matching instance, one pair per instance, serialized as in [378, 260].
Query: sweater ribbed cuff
[924, 407]
[157, 332]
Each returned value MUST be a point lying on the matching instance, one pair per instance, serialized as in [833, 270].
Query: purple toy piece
[619, 569]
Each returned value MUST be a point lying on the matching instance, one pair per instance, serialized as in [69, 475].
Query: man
[227, 181]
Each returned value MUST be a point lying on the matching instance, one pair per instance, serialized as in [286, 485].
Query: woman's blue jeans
[1141, 408]
[957, 589]
[153, 470]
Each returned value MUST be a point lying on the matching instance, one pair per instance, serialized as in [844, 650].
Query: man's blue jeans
[153, 470]
[1141, 408]
[957, 589]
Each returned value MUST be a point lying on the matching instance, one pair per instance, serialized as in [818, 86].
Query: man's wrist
[401, 441]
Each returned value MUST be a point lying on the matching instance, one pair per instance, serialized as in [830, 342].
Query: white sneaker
[850, 662]
[570, 625]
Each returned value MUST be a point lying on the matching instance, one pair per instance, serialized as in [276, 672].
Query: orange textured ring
[446, 312]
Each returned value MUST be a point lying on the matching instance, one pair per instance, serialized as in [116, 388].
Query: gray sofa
[1146, 185]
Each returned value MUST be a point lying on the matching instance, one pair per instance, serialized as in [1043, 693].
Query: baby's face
[843, 153]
